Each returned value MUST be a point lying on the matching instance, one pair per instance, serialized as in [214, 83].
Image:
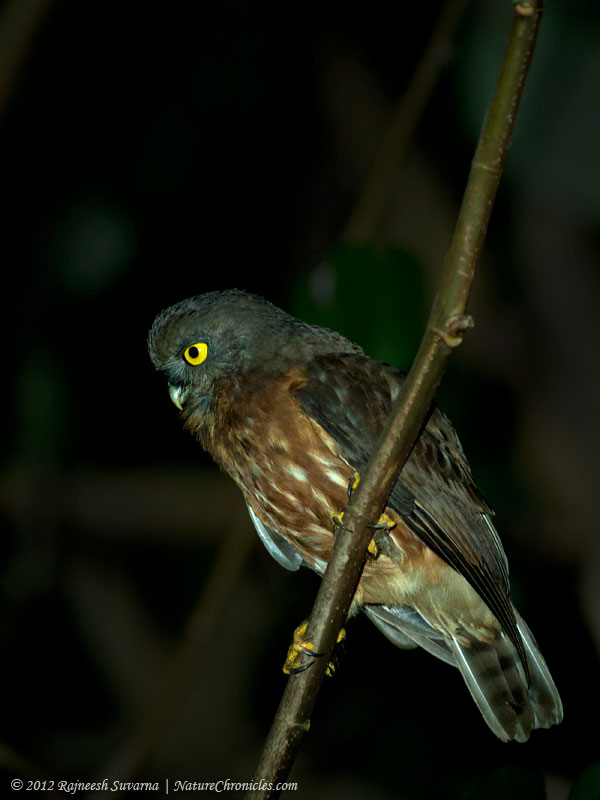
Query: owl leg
[302, 646]
[385, 523]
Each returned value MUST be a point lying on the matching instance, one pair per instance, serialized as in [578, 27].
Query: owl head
[221, 336]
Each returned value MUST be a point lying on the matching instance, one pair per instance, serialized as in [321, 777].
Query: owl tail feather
[511, 705]
[494, 674]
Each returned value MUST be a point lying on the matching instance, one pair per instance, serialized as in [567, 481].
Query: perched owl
[291, 412]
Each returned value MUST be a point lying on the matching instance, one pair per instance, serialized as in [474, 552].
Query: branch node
[454, 328]
[300, 728]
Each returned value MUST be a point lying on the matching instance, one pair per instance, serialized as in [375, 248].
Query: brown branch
[445, 328]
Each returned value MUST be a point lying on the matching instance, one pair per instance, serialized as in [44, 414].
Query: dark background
[158, 150]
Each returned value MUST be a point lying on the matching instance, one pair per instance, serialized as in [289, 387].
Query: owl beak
[177, 395]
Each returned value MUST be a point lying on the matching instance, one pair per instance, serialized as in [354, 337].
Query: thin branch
[445, 328]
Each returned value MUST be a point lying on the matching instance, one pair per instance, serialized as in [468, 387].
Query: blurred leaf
[587, 786]
[516, 783]
[376, 297]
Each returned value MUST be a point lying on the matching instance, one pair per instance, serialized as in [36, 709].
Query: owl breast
[290, 475]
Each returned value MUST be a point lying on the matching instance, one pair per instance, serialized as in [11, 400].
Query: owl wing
[351, 397]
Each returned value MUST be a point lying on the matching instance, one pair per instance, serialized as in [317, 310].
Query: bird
[291, 412]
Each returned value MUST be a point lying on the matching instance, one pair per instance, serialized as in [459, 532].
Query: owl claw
[377, 543]
[353, 483]
[297, 670]
[385, 523]
[302, 646]
[337, 517]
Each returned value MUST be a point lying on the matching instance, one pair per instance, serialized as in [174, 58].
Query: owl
[292, 412]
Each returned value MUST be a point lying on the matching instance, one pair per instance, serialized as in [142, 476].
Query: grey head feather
[243, 331]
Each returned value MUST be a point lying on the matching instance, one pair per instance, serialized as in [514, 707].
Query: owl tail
[510, 704]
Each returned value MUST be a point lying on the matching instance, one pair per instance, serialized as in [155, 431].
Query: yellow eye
[196, 353]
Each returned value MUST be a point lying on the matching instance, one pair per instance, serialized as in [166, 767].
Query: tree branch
[445, 328]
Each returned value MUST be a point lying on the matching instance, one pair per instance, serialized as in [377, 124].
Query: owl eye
[196, 353]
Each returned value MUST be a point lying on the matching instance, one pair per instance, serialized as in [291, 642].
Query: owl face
[222, 336]
[201, 341]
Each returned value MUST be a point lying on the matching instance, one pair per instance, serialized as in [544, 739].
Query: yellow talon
[354, 481]
[372, 549]
[331, 667]
[299, 645]
[302, 646]
[385, 523]
[337, 517]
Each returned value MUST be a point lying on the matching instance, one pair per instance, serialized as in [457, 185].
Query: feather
[511, 704]
[407, 629]
[290, 411]
[495, 677]
[350, 396]
[281, 550]
[546, 700]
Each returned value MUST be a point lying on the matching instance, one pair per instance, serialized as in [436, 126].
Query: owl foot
[332, 666]
[385, 523]
[377, 543]
[302, 646]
